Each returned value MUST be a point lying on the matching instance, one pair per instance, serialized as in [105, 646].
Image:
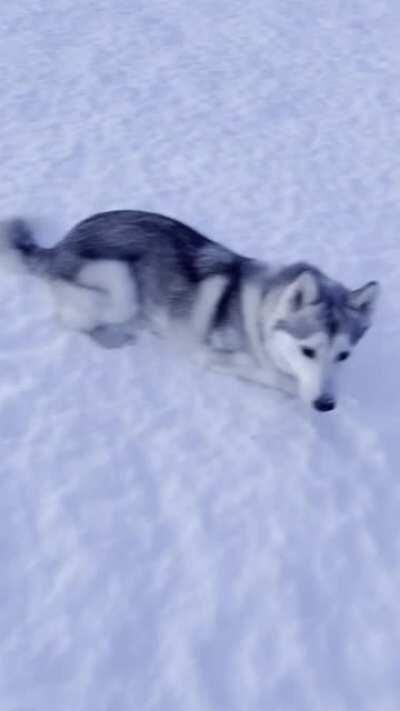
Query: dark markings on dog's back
[127, 235]
[230, 294]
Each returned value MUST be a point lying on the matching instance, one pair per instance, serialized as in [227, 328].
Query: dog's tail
[18, 250]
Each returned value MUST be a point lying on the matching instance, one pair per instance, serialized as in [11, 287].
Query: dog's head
[316, 324]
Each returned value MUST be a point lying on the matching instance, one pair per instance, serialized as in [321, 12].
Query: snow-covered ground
[172, 540]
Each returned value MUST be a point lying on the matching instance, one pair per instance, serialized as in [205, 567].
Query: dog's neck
[260, 304]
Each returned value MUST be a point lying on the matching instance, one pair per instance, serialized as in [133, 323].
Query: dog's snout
[325, 403]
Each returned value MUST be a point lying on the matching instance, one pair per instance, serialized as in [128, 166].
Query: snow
[173, 539]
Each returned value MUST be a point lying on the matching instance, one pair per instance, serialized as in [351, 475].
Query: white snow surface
[174, 540]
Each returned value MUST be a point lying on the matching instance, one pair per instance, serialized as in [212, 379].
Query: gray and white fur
[116, 272]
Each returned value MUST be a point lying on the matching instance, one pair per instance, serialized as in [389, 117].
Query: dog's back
[133, 236]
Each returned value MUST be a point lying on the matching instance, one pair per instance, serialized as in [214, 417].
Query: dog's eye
[343, 355]
[308, 352]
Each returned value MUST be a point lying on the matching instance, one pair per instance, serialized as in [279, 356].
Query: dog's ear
[302, 292]
[364, 299]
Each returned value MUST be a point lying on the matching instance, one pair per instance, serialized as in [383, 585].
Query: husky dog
[289, 328]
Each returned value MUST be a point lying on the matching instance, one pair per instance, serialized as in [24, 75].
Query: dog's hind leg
[101, 302]
[77, 307]
[115, 281]
[243, 366]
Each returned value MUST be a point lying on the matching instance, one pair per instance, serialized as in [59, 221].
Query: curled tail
[19, 251]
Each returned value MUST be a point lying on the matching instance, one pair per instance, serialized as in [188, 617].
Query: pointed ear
[302, 292]
[365, 298]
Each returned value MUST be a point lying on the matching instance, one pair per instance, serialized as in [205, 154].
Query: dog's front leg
[242, 365]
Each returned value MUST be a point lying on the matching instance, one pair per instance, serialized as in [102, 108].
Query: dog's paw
[112, 336]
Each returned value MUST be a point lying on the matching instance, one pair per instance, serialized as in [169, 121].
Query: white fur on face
[317, 376]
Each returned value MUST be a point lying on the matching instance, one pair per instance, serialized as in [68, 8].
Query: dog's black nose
[325, 403]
